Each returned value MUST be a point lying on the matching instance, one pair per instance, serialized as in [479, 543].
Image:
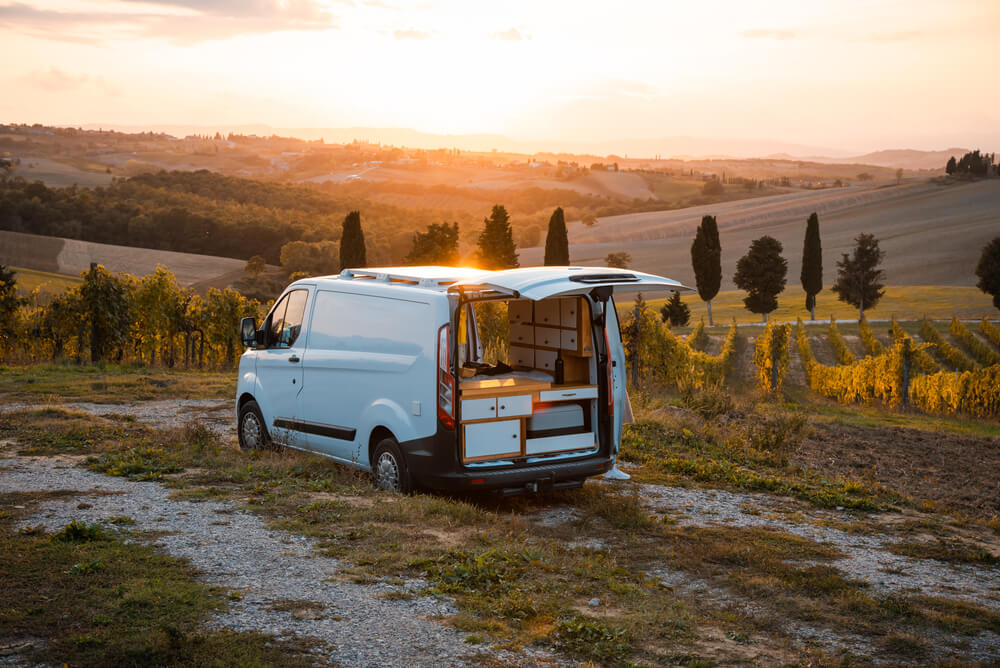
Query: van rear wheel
[389, 470]
[251, 429]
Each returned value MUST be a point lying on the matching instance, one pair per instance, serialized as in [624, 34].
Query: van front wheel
[252, 432]
[389, 468]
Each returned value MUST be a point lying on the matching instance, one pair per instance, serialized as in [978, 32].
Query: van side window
[286, 320]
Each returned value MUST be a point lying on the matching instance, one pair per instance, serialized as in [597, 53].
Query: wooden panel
[521, 356]
[521, 334]
[519, 310]
[486, 440]
[479, 409]
[545, 360]
[514, 405]
[569, 393]
[576, 370]
[535, 446]
[547, 337]
[547, 312]
[568, 311]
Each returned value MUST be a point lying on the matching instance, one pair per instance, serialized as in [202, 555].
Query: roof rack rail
[399, 278]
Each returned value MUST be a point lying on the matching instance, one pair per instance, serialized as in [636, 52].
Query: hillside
[932, 234]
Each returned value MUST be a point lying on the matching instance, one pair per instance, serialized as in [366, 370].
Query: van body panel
[538, 283]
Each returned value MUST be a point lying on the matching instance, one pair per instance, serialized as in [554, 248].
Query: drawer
[519, 310]
[479, 409]
[520, 356]
[546, 360]
[568, 307]
[514, 406]
[569, 339]
[547, 312]
[549, 337]
[492, 439]
[568, 394]
[522, 334]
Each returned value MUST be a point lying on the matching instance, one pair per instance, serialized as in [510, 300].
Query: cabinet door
[569, 340]
[568, 307]
[545, 360]
[547, 337]
[479, 409]
[522, 334]
[492, 439]
[514, 406]
[547, 312]
[519, 310]
[520, 356]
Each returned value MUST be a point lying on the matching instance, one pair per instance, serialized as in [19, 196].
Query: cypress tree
[352, 243]
[812, 264]
[557, 241]
[706, 259]
[859, 280]
[496, 242]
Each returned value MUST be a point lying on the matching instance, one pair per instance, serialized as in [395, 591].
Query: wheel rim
[387, 472]
[251, 432]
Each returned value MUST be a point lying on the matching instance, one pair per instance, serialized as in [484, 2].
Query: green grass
[111, 383]
[906, 302]
[48, 284]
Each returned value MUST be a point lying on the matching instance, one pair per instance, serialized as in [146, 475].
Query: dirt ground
[954, 472]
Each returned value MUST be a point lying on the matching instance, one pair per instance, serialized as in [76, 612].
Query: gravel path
[355, 624]
[216, 414]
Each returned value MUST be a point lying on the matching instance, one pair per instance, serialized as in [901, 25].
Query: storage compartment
[569, 340]
[568, 309]
[519, 310]
[522, 334]
[520, 356]
[547, 418]
[479, 409]
[568, 393]
[547, 337]
[537, 446]
[547, 312]
[546, 360]
[514, 406]
[484, 440]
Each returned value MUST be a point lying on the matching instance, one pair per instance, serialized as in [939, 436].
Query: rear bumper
[433, 464]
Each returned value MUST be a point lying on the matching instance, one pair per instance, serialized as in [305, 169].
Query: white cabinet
[546, 360]
[547, 312]
[519, 310]
[492, 439]
[520, 356]
[479, 409]
[548, 337]
[589, 392]
[569, 340]
[521, 334]
[514, 406]
[568, 307]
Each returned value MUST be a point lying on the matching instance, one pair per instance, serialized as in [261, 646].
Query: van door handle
[294, 359]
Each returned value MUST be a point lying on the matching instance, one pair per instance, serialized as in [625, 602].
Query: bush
[920, 357]
[771, 356]
[873, 345]
[972, 392]
[986, 355]
[840, 347]
[950, 353]
[991, 331]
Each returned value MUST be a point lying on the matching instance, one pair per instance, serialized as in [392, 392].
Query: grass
[111, 383]
[101, 597]
[906, 302]
[953, 550]
[46, 283]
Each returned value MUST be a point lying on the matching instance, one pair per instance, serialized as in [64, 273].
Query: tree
[859, 280]
[812, 264]
[589, 220]
[761, 272]
[675, 311]
[557, 241]
[107, 302]
[899, 176]
[988, 270]
[496, 242]
[618, 260]
[437, 246]
[952, 165]
[9, 304]
[864, 176]
[706, 258]
[712, 188]
[256, 266]
[352, 243]
[309, 259]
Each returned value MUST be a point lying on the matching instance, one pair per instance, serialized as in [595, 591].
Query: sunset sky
[852, 75]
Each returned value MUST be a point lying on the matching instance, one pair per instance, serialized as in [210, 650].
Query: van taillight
[445, 381]
[611, 375]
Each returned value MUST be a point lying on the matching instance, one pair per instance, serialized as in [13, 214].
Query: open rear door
[539, 283]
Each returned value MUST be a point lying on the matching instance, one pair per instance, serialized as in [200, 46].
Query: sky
[846, 75]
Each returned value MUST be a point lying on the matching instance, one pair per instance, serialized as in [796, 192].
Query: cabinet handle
[502, 407]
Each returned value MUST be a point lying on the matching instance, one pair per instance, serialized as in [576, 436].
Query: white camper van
[444, 378]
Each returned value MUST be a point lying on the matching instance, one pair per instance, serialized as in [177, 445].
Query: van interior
[527, 384]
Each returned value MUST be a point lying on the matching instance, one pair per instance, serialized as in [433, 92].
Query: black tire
[389, 470]
[251, 428]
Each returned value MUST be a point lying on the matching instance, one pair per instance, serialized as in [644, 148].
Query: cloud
[182, 21]
[54, 80]
[512, 35]
[411, 34]
[766, 33]
[897, 36]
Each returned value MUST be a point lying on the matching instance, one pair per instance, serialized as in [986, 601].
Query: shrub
[920, 357]
[873, 345]
[972, 392]
[991, 331]
[950, 353]
[697, 338]
[840, 347]
[771, 356]
[986, 355]
[80, 532]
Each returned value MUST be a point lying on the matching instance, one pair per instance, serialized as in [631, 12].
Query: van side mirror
[248, 332]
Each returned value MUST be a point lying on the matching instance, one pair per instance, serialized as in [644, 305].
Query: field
[931, 233]
[46, 283]
[69, 257]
